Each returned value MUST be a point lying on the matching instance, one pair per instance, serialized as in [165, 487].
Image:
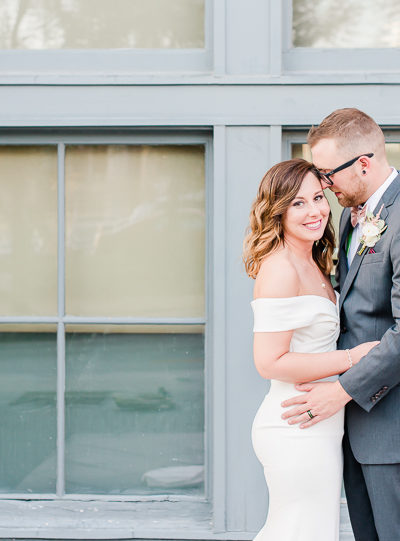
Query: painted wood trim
[190, 106]
[219, 330]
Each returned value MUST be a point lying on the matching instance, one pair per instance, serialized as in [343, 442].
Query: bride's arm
[274, 361]
[278, 279]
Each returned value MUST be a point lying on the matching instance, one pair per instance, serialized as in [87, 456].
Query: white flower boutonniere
[371, 229]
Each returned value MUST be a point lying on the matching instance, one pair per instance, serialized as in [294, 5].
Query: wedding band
[311, 416]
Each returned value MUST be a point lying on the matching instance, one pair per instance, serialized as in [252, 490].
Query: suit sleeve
[378, 372]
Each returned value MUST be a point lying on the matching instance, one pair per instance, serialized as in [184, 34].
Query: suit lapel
[345, 226]
[345, 229]
[386, 200]
[355, 265]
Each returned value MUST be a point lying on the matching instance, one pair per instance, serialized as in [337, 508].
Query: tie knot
[358, 214]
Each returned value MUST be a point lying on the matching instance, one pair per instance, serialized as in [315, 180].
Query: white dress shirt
[371, 204]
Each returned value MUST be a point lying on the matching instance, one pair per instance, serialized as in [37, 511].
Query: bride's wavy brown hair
[264, 235]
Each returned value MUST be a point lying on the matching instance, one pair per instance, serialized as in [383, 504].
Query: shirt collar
[375, 197]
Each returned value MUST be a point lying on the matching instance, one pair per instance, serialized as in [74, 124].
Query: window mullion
[276, 39]
[61, 326]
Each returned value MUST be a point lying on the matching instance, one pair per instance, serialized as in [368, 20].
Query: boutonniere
[372, 228]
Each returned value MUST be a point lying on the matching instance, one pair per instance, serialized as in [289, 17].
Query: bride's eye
[297, 203]
[319, 197]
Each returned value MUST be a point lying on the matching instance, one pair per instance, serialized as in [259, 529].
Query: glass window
[135, 231]
[350, 24]
[101, 24]
[28, 371]
[132, 249]
[28, 230]
[134, 410]
[393, 154]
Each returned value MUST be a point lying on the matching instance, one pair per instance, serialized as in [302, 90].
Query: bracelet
[349, 357]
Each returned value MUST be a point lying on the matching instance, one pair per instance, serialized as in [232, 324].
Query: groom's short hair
[351, 129]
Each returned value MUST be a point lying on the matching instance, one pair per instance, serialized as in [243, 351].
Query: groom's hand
[323, 399]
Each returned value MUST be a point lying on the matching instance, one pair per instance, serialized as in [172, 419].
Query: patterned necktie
[358, 214]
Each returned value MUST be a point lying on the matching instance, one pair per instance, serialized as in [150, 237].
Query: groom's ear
[365, 163]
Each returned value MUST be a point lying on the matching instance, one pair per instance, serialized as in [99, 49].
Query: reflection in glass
[28, 411]
[393, 154]
[28, 230]
[101, 24]
[135, 231]
[350, 24]
[134, 413]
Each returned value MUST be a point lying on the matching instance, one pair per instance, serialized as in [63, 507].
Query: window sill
[64, 519]
[205, 77]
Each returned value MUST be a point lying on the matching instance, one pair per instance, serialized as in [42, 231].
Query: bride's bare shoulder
[277, 277]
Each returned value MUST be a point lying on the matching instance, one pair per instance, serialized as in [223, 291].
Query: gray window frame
[70, 66]
[162, 508]
[298, 134]
[308, 59]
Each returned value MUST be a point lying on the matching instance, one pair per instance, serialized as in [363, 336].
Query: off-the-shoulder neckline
[298, 297]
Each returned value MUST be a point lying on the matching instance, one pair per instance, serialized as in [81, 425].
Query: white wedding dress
[303, 467]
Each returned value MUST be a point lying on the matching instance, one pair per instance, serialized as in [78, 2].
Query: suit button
[343, 329]
[384, 388]
[373, 399]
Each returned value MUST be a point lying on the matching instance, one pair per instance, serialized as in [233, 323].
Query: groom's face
[348, 184]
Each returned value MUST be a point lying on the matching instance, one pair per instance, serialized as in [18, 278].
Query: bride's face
[308, 213]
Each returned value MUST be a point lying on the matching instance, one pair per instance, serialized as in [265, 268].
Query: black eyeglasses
[326, 176]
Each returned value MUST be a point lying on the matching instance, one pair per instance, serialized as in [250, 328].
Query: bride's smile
[314, 225]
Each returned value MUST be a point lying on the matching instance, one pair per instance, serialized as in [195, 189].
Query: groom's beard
[356, 197]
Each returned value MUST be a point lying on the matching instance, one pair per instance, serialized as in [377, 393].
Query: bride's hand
[360, 351]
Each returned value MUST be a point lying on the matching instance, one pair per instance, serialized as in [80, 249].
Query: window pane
[28, 230]
[101, 24]
[135, 242]
[28, 410]
[351, 24]
[393, 154]
[134, 412]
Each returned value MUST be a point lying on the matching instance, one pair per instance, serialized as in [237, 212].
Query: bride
[288, 251]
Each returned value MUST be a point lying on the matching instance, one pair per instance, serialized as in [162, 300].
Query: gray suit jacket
[370, 310]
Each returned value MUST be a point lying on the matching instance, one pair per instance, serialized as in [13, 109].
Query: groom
[348, 148]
